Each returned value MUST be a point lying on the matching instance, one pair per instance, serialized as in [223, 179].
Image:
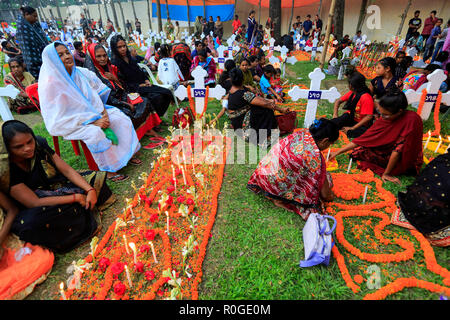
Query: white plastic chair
[154, 82]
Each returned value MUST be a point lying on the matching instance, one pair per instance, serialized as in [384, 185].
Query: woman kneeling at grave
[248, 111]
[57, 205]
[358, 117]
[293, 175]
[393, 144]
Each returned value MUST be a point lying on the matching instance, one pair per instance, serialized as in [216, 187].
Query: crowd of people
[99, 92]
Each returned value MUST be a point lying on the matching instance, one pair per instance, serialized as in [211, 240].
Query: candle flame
[132, 246]
[61, 286]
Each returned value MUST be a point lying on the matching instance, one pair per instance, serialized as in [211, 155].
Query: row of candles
[439, 143]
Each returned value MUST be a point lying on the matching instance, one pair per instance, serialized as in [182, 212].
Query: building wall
[391, 12]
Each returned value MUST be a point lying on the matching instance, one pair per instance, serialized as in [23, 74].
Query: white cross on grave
[271, 46]
[284, 50]
[11, 92]
[412, 52]
[345, 54]
[435, 80]
[313, 94]
[221, 59]
[199, 91]
[314, 49]
[292, 60]
[231, 48]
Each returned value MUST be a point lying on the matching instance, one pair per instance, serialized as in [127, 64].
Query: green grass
[255, 247]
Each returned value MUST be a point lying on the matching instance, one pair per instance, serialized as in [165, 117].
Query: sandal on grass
[135, 161]
[153, 145]
[118, 178]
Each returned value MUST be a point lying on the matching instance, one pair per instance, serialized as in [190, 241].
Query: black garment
[133, 76]
[139, 58]
[379, 89]
[319, 24]
[60, 228]
[12, 49]
[288, 41]
[426, 202]
[245, 116]
[415, 22]
[346, 120]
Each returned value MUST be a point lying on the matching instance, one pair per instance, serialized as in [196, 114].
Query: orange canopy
[284, 3]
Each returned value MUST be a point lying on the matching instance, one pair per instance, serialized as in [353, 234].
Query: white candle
[174, 178]
[439, 144]
[153, 251]
[428, 139]
[328, 154]
[184, 176]
[128, 277]
[349, 165]
[167, 215]
[365, 195]
[126, 245]
[132, 213]
[61, 289]
[133, 247]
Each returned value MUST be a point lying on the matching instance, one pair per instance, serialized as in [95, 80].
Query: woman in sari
[73, 105]
[207, 63]
[182, 55]
[251, 26]
[248, 111]
[169, 28]
[20, 79]
[56, 204]
[32, 39]
[218, 28]
[135, 79]
[393, 144]
[142, 114]
[293, 175]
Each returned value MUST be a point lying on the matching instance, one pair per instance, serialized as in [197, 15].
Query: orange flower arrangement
[190, 213]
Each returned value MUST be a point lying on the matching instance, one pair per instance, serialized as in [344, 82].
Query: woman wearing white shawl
[73, 106]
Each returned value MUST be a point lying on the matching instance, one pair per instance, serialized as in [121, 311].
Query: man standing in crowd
[429, 25]
[318, 24]
[414, 25]
[307, 26]
[137, 24]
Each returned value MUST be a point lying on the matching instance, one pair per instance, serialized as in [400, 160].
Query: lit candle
[132, 213]
[428, 139]
[328, 154]
[174, 178]
[61, 289]
[126, 245]
[439, 144]
[365, 195]
[184, 176]
[167, 215]
[349, 165]
[128, 276]
[153, 251]
[133, 247]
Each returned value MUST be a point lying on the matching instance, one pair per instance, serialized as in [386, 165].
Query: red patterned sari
[294, 172]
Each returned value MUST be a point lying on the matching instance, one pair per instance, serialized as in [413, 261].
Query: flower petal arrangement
[173, 217]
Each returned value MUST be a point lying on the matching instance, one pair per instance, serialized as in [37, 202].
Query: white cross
[198, 91]
[8, 91]
[231, 47]
[313, 94]
[271, 46]
[314, 49]
[284, 50]
[435, 80]
[221, 59]
[345, 54]
[292, 60]
[297, 42]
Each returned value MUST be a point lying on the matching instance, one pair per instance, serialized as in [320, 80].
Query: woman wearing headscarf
[73, 105]
[32, 39]
[142, 114]
[135, 79]
[57, 205]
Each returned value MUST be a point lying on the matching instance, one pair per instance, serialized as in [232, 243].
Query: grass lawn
[255, 247]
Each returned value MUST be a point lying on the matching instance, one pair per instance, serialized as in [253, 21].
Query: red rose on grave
[177, 171]
[148, 202]
[119, 288]
[160, 292]
[189, 202]
[139, 266]
[150, 234]
[166, 279]
[103, 263]
[154, 217]
[149, 275]
[117, 268]
[181, 199]
[142, 197]
[170, 189]
[144, 248]
[169, 200]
